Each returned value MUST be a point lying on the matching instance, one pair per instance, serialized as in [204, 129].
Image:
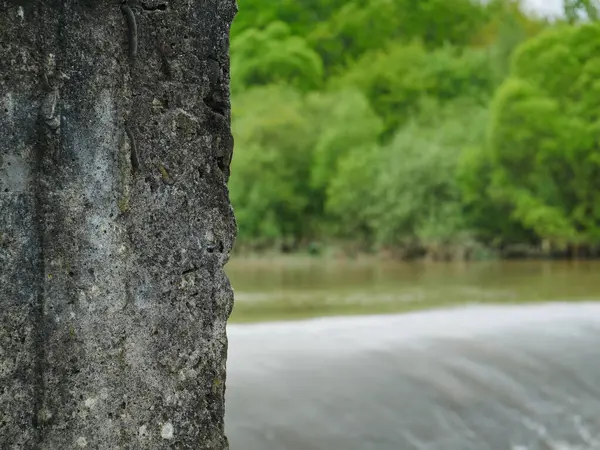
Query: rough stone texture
[113, 298]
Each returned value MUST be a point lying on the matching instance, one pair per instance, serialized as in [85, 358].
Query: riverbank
[289, 287]
[460, 250]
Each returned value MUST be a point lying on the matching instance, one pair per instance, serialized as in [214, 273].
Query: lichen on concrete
[113, 298]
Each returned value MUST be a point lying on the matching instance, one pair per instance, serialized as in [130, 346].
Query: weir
[498, 378]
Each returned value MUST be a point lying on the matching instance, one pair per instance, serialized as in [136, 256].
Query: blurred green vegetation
[450, 128]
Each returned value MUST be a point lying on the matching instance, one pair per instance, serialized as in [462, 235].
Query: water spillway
[498, 378]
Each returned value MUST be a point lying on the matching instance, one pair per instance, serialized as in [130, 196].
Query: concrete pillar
[115, 223]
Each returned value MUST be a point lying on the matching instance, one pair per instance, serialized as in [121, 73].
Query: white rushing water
[498, 378]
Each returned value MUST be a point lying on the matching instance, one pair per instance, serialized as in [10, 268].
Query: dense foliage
[405, 125]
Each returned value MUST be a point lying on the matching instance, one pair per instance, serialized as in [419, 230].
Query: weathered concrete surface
[113, 299]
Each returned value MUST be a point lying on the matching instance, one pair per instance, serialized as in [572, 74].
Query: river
[296, 287]
[480, 376]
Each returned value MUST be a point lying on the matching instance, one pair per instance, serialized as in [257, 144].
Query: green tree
[407, 191]
[360, 26]
[350, 197]
[301, 15]
[507, 28]
[354, 29]
[544, 136]
[342, 120]
[397, 80]
[272, 163]
[488, 219]
[288, 148]
[274, 55]
[441, 22]
[417, 190]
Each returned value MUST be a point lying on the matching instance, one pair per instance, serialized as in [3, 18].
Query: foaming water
[498, 378]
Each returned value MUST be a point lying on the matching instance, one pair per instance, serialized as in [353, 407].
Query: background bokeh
[452, 129]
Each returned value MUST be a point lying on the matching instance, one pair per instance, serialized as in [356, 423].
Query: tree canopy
[394, 123]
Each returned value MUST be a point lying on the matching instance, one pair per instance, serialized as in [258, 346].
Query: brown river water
[295, 287]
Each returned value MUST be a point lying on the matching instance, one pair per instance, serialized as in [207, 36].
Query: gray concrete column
[115, 223]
